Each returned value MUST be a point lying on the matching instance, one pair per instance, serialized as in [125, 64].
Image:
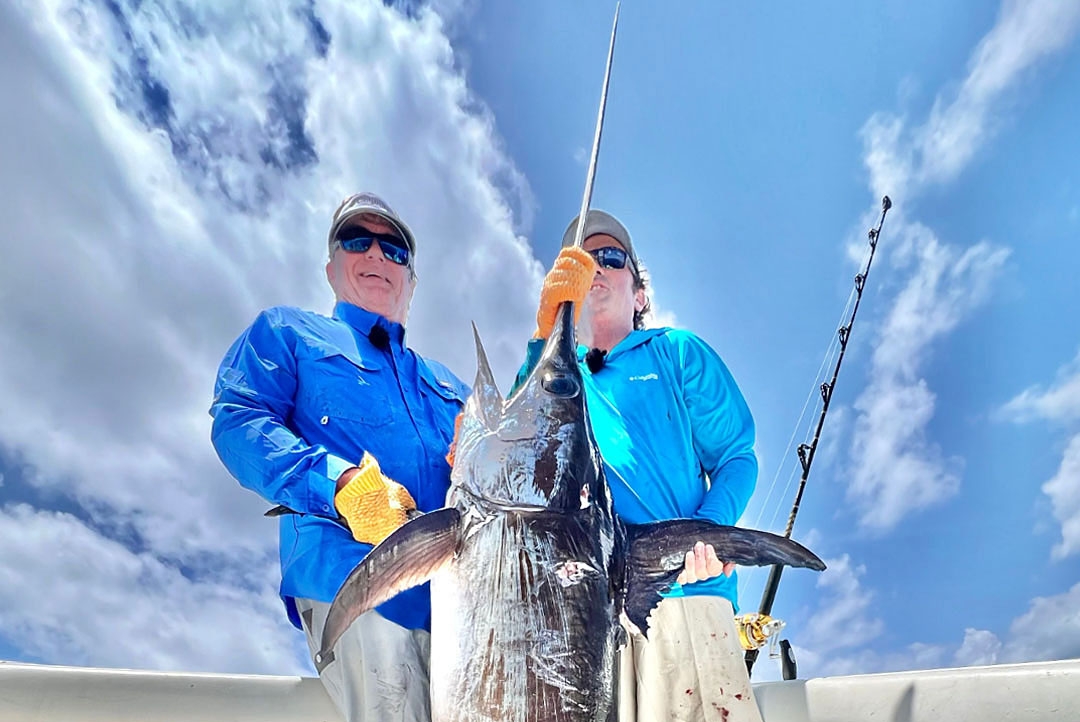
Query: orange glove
[568, 280]
[453, 444]
[373, 504]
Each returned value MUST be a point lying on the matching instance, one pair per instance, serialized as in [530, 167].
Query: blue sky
[186, 157]
[735, 150]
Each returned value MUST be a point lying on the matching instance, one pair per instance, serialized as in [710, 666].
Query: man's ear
[330, 272]
[639, 299]
[412, 288]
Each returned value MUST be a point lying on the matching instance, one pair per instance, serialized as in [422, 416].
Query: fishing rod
[586, 198]
[591, 174]
[755, 629]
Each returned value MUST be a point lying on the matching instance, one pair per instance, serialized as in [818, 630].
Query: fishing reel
[756, 629]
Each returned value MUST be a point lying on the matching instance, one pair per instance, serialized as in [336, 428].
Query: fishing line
[807, 452]
[834, 349]
[829, 351]
[747, 582]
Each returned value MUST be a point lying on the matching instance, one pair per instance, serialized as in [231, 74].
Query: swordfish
[531, 571]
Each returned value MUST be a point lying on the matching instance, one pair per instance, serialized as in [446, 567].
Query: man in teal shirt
[677, 441]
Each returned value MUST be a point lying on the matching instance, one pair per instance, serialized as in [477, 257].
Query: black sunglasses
[609, 257]
[359, 240]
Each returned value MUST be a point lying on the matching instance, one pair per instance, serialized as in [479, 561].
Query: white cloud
[871, 661]
[1026, 31]
[170, 170]
[70, 594]
[659, 316]
[839, 639]
[1050, 629]
[897, 468]
[1064, 492]
[844, 605]
[946, 284]
[902, 160]
[1060, 402]
[888, 155]
[843, 630]
[980, 647]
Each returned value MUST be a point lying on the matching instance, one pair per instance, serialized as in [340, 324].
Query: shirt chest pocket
[337, 388]
[445, 402]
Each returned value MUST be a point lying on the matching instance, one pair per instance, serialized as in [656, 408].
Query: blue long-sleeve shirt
[674, 431]
[299, 398]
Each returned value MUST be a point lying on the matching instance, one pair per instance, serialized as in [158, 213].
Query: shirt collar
[633, 340]
[362, 321]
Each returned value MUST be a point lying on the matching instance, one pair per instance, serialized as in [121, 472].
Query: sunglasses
[360, 240]
[609, 257]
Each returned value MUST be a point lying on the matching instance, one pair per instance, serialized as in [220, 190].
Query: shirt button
[324, 420]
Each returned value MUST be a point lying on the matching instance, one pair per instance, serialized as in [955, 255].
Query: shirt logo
[647, 377]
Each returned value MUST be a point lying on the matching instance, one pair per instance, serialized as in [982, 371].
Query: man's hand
[702, 564]
[568, 280]
[373, 504]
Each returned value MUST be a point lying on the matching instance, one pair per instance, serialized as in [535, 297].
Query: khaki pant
[690, 669]
[380, 670]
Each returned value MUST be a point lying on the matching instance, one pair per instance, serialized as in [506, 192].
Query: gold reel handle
[756, 629]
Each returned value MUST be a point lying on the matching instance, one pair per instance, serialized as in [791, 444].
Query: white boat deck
[1031, 692]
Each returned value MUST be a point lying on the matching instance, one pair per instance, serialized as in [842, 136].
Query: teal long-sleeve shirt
[674, 431]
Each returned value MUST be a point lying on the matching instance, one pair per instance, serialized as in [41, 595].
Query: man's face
[612, 298]
[369, 279]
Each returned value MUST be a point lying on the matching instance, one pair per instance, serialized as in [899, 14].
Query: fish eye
[560, 384]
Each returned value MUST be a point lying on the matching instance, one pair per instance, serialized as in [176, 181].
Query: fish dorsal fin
[487, 400]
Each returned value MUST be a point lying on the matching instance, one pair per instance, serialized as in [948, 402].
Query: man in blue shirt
[677, 440]
[335, 419]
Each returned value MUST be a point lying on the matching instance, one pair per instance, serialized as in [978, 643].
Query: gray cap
[359, 203]
[597, 221]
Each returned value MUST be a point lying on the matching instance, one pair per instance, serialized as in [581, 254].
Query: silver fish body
[524, 620]
[531, 572]
[523, 625]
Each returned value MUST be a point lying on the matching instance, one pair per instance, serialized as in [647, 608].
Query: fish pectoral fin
[410, 556]
[641, 599]
[662, 545]
[657, 552]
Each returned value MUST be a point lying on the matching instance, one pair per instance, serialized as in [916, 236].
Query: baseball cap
[359, 203]
[597, 221]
